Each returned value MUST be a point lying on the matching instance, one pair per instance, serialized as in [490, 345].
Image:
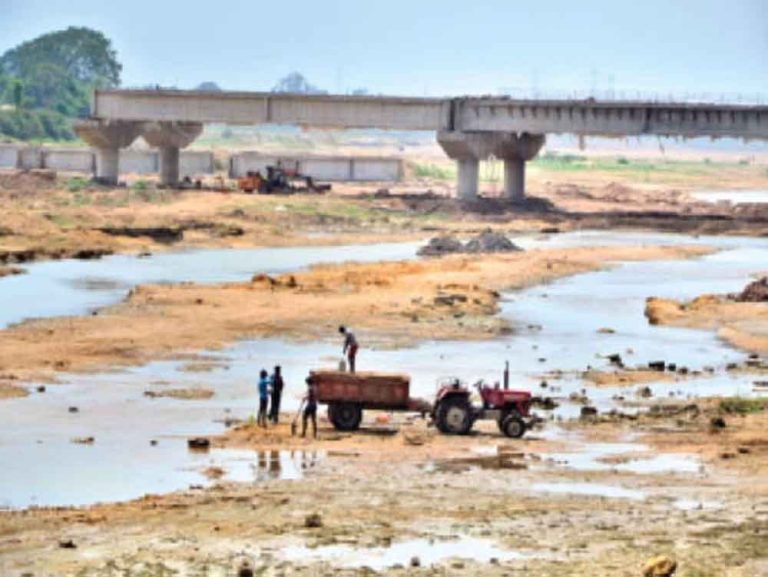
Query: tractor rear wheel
[454, 416]
[345, 416]
[512, 426]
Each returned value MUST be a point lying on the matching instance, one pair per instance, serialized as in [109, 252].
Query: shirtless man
[350, 346]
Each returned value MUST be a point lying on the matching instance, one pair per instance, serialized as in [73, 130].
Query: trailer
[453, 413]
[349, 394]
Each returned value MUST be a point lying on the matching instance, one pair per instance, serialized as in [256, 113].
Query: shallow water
[589, 489]
[557, 322]
[74, 287]
[428, 552]
[734, 196]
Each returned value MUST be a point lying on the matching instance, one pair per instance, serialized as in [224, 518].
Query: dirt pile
[487, 242]
[754, 292]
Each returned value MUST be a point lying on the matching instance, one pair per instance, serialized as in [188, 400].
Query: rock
[199, 443]
[415, 561]
[73, 410]
[657, 365]
[550, 230]
[615, 359]
[245, 570]
[645, 392]
[67, 544]
[659, 566]
[84, 440]
[605, 331]
[754, 292]
[313, 521]
[441, 245]
[717, 423]
[588, 412]
[490, 242]
[486, 242]
[41, 389]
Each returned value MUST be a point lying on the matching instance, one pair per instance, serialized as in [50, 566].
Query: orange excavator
[279, 180]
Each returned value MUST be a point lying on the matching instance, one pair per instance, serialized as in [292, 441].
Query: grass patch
[433, 171]
[76, 184]
[742, 406]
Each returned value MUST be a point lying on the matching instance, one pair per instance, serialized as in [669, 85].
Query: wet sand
[377, 488]
[741, 324]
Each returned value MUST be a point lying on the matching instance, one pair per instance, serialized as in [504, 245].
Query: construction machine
[279, 179]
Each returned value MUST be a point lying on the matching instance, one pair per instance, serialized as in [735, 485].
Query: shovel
[294, 423]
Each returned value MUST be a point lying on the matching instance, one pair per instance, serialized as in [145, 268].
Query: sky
[682, 48]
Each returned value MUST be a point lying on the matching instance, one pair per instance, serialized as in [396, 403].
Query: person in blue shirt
[263, 398]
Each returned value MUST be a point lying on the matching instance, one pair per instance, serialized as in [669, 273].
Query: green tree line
[47, 82]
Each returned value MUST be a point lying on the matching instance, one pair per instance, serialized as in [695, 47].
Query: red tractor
[454, 413]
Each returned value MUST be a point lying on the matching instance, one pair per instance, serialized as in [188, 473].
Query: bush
[742, 406]
[432, 171]
[76, 184]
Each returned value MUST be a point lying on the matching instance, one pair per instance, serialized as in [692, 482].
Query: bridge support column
[468, 177]
[469, 148]
[516, 150]
[169, 165]
[169, 138]
[107, 138]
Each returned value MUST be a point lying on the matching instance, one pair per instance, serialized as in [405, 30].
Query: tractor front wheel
[345, 416]
[454, 416]
[512, 426]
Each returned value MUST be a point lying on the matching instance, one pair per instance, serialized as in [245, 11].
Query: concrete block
[138, 161]
[68, 159]
[9, 155]
[194, 162]
[377, 169]
[30, 157]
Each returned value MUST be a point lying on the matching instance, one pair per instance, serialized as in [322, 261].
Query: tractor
[454, 414]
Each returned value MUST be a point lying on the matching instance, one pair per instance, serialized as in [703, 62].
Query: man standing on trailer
[350, 347]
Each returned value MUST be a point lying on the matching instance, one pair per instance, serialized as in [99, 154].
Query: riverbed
[139, 441]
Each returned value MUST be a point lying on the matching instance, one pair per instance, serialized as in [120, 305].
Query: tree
[295, 83]
[17, 93]
[85, 55]
[208, 86]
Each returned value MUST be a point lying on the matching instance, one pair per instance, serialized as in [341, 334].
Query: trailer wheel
[454, 416]
[513, 426]
[345, 416]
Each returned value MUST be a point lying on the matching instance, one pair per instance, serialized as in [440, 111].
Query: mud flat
[545, 505]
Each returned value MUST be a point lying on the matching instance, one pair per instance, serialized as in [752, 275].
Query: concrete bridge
[469, 129]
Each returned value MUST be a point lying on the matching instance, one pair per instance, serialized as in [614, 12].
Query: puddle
[626, 458]
[696, 505]
[583, 488]
[734, 196]
[428, 552]
[511, 461]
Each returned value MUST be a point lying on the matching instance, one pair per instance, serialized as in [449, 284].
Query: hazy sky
[432, 47]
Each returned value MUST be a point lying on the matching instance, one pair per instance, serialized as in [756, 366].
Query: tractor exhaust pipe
[506, 375]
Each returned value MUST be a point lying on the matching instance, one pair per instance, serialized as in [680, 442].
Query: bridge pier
[169, 138]
[469, 148]
[107, 138]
